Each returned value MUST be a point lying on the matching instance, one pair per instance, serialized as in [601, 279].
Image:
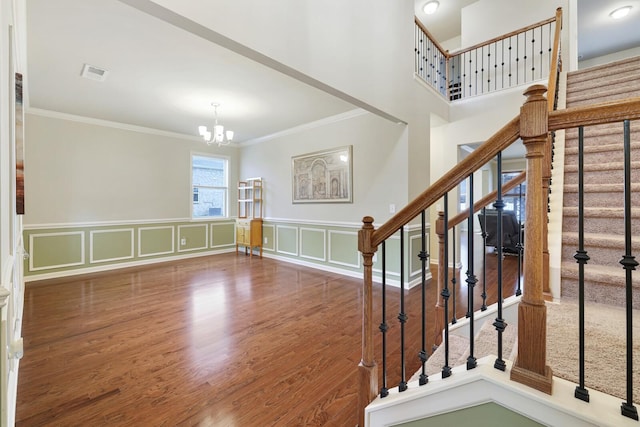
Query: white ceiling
[163, 77]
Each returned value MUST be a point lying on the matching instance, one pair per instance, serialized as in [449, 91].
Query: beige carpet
[605, 348]
[605, 357]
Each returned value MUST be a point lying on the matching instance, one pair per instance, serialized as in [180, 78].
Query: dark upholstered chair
[510, 229]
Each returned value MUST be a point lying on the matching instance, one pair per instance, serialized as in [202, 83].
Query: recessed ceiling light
[430, 7]
[620, 12]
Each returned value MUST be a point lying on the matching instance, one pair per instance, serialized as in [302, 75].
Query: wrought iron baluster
[384, 391]
[499, 324]
[519, 246]
[402, 317]
[484, 259]
[581, 258]
[446, 369]
[454, 318]
[423, 256]
[629, 264]
[471, 278]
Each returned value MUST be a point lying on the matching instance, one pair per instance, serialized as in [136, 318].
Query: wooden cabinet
[249, 222]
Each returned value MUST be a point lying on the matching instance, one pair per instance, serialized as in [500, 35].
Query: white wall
[84, 172]
[486, 19]
[617, 56]
[379, 169]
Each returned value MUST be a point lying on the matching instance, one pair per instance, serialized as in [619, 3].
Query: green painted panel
[156, 241]
[222, 234]
[287, 240]
[112, 245]
[344, 248]
[195, 235]
[416, 247]
[268, 236]
[485, 415]
[57, 250]
[312, 243]
[392, 255]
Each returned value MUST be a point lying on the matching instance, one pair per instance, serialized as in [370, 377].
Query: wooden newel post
[530, 366]
[367, 369]
[439, 320]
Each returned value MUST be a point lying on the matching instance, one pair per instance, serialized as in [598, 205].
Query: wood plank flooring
[223, 340]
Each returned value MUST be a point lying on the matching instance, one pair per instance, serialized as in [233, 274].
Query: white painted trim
[69, 233]
[324, 243]
[206, 237]
[92, 232]
[106, 123]
[109, 267]
[323, 267]
[108, 223]
[486, 384]
[173, 241]
[307, 126]
[220, 224]
[346, 264]
[356, 225]
[278, 227]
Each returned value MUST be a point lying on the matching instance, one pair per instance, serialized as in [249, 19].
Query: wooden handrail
[553, 70]
[483, 202]
[502, 37]
[433, 40]
[498, 142]
[596, 114]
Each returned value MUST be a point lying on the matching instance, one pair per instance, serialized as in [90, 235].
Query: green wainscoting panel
[287, 240]
[194, 236]
[56, 250]
[268, 237]
[415, 247]
[343, 248]
[223, 234]
[155, 240]
[485, 415]
[111, 245]
[312, 244]
[392, 255]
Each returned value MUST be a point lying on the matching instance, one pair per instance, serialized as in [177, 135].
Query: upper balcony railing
[514, 59]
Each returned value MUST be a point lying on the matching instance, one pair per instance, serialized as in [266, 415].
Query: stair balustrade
[517, 58]
[533, 126]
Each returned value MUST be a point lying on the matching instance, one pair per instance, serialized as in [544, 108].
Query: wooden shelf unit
[249, 222]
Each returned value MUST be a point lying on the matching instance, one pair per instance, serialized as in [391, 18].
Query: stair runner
[603, 197]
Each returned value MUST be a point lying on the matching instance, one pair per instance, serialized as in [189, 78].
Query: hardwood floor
[224, 340]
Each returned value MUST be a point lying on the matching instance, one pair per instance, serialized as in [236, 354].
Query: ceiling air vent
[94, 73]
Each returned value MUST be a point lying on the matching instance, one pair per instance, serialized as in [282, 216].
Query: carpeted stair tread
[602, 95]
[600, 188]
[606, 275]
[604, 70]
[622, 78]
[601, 148]
[608, 166]
[484, 345]
[605, 346]
[600, 212]
[601, 240]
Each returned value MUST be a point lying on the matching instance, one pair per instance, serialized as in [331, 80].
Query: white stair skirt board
[486, 384]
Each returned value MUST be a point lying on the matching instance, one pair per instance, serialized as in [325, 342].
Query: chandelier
[218, 135]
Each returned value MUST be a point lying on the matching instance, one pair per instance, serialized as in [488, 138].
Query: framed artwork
[19, 142]
[323, 176]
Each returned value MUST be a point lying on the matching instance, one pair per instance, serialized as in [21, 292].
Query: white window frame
[225, 188]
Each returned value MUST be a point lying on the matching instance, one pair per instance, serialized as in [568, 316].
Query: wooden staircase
[603, 178]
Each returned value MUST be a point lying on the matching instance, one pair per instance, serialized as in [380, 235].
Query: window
[209, 177]
[514, 200]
